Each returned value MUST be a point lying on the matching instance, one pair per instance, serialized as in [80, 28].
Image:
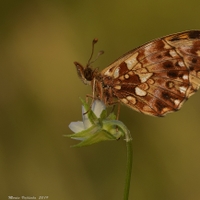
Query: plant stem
[128, 165]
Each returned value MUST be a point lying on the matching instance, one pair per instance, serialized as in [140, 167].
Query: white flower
[96, 125]
[97, 108]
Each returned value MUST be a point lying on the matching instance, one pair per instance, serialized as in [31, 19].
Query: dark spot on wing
[165, 95]
[168, 65]
[159, 105]
[194, 60]
[194, 34]
[172, 74]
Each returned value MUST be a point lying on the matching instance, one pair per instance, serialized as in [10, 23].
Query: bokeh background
[39, 97]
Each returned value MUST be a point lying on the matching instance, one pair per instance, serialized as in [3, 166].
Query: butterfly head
[87, 74]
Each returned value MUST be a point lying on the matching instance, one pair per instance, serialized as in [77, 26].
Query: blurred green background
[40, 90]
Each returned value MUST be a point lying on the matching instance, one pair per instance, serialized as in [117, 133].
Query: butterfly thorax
[103, 89]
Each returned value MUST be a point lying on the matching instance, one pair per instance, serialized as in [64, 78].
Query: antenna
[95, 40]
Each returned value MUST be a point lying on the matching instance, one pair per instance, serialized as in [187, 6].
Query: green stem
[128, 165]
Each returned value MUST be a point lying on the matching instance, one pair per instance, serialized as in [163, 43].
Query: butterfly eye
[88, 74]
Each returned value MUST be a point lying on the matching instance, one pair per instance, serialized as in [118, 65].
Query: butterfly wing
[159, 76]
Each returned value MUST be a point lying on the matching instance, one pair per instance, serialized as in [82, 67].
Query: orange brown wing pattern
[157, 77]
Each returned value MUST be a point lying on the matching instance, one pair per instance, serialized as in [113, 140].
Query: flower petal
[86, 121]
[76, 126]
[97, 107]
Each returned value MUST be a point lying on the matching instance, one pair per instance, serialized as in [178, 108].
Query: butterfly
[155, 78]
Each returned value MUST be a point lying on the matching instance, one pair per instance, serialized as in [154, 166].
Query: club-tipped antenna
[92, 53]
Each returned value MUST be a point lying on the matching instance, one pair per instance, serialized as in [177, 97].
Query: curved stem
[128, 165]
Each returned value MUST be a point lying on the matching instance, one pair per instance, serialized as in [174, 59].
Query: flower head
[96, 126]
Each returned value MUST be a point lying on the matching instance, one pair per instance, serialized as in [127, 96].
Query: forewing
[159, 76]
